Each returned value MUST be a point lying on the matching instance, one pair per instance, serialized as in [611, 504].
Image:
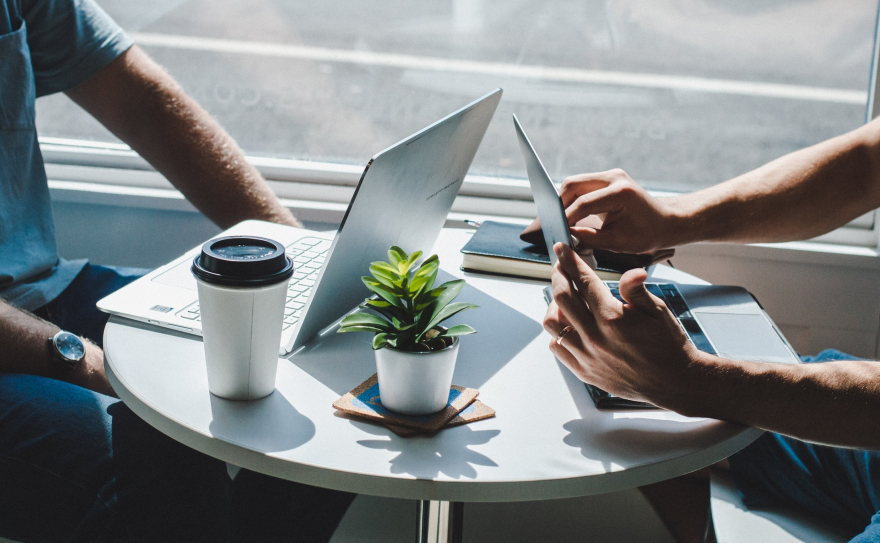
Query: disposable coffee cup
[242, 284]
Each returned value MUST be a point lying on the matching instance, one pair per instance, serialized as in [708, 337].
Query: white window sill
[466, 207]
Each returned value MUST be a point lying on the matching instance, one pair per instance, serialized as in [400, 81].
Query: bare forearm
[799, 196]
[834, 403]
[24, 339]
[144, 107]
[24, 348]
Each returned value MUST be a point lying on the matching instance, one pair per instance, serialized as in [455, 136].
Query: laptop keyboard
[675, 302]
[308, 256]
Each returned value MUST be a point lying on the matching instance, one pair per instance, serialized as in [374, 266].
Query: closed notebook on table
[496, 248]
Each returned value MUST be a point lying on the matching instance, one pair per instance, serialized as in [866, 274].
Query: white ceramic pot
[415, 383]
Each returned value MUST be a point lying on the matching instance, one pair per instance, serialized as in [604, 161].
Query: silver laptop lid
[554, 224]
[403, 198]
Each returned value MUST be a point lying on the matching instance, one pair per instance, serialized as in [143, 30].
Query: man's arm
[799, 196]
[638, 351]
[26, 350]
[142, 105]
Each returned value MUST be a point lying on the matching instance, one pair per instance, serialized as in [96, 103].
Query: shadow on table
[629, 441]
[343, 361]
[270, 424]
[427, 457]
[627, 438]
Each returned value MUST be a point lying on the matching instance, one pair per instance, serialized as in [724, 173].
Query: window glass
[680, 93]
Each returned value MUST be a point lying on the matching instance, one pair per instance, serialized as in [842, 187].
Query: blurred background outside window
[681, 94]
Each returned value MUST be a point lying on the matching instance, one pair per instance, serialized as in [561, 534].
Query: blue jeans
[80, 466]
[841, 486]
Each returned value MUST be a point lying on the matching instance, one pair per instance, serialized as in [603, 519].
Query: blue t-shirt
[46, 46]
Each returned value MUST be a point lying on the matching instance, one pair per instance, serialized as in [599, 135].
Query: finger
[565, 356]
[589, 286]
[572, 356]
[632, 289]
[587, 256]
[591, 238]
[554, 320]
[575, 185]
[592, 203]
[570, 303]
[574, 342]
[563, 332]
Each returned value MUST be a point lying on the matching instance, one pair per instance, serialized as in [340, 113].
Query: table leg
[439, 522]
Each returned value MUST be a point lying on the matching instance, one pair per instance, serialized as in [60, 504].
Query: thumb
[633, 291]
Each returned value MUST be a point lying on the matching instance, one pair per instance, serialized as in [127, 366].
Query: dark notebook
[496, 248]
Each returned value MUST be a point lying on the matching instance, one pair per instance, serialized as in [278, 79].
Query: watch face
[70, 346]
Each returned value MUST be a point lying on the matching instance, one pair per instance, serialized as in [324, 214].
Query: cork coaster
[364, 401]
[477, 410]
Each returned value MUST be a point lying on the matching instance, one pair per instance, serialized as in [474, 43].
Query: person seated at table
[75, 463]
[819, 454]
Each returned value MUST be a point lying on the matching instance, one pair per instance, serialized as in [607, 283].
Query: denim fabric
[79, 466]
[840, 486]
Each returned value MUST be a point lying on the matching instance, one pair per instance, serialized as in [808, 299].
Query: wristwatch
[67, 349]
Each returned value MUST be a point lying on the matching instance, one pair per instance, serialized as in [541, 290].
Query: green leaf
[380, 340]
[427, 269]
[431, 260]
[387, 278]
[402, 326]
[396, 255]
[425, 275]
[449, 311]
[388, 313]
[383, 292]
[344, 329]
[386, 267]
[453, 289]
[365, 319]
[413, 258]
[458, 330]
[384, 308]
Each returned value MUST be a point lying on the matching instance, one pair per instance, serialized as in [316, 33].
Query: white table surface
[547, 440]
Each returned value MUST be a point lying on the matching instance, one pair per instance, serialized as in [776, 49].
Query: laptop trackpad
[744, 337]
[179, 276]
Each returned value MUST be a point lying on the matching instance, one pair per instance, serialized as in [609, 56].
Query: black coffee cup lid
[242, 261]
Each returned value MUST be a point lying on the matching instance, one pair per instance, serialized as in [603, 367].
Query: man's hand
[634, 221]
[635, 350]
[638, 351]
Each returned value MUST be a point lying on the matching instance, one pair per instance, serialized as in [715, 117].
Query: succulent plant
[407, 310]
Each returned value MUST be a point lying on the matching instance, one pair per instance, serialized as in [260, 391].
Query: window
[680, 93]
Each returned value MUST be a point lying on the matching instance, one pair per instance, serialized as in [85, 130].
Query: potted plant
[415, 356]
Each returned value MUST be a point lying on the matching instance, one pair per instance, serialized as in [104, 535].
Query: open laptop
[403, 198]
[722, 320]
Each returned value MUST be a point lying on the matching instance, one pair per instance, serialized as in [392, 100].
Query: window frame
[321, 190]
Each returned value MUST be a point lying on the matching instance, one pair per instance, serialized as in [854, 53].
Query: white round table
[547, 440]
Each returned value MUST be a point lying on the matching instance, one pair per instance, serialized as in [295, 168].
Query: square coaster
[477, 410]
[364, 401]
